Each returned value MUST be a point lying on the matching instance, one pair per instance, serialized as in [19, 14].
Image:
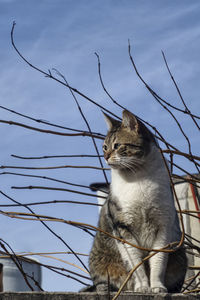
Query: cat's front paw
[142, 289]
[158, 289]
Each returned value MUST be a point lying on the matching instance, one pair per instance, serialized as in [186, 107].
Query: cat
[139, 209]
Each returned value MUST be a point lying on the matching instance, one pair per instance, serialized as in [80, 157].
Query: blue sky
[65, 35]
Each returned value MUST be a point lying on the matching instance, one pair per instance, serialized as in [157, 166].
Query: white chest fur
[148, 189]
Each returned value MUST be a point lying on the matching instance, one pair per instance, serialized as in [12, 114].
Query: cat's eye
[105, 148]
[116, 146]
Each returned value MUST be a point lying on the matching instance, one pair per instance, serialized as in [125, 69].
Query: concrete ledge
[93, 296]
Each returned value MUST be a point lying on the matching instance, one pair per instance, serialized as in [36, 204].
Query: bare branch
[87, 124]
[187, 111]
[56, 156]
[47, 122]
[49, 75]
[31, 187]
[50, 131]
[53, 167]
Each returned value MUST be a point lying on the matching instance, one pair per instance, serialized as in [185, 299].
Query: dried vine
[170, 151]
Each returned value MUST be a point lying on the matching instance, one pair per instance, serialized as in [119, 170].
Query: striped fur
[139, 209]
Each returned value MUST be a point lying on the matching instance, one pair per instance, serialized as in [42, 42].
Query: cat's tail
[90, 288]
[100, 288]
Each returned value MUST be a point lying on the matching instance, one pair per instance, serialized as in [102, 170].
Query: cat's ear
[129, 121]
[110, 121]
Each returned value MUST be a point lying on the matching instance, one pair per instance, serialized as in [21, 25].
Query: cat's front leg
[131, 257]
[158, 263]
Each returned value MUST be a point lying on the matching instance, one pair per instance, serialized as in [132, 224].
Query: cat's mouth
[113, 164]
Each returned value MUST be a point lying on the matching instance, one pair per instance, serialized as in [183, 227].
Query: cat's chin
[114, 166]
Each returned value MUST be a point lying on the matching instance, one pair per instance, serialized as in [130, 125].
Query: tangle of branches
[88, 198]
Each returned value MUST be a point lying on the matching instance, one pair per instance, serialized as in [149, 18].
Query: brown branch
[190, 211]
[45, 178]
[49, 75]
[53, 179]
[64, 261]
[53, 167]
[51, 131]
[187, 155]
[87, 124]
[191, 237]
[190, 176]
[51, 202]
[46, 122]
[31, 187]
[17, 263]
[171, 150]
[193, 290]
[38, 217]
[189, 284]
[102, 83]
[47, 253]
[187, 111]
[61, 270]
[115, 102]
[159, 100]
[154, 94]
[47, 227]
[188, 180]
[177, 202]
[190, 214]
[56, 156]
[194, 267]
[131, 273]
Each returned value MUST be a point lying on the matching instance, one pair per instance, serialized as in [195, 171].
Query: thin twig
[159, 100]
[47, 122]
[49, 75]
[52, 202]
[37, 217]
[45, 225]
[56, 156]
[187, 155]
[87, 124]
[53, 167]
[31, 187]
[102, 83]
[187, 111]
[83, 134]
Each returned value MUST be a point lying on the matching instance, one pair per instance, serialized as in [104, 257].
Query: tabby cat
[139, 209]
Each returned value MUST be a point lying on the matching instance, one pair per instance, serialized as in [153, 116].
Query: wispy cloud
[65, 35]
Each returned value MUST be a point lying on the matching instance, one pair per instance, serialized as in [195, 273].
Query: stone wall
[93, 296]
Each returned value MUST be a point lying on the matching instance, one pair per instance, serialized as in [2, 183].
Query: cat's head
[127, 143]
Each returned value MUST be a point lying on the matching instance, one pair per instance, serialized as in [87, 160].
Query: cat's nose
[107, 155]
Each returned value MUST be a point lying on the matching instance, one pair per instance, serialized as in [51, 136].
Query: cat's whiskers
[131, 163]
[128, 166]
